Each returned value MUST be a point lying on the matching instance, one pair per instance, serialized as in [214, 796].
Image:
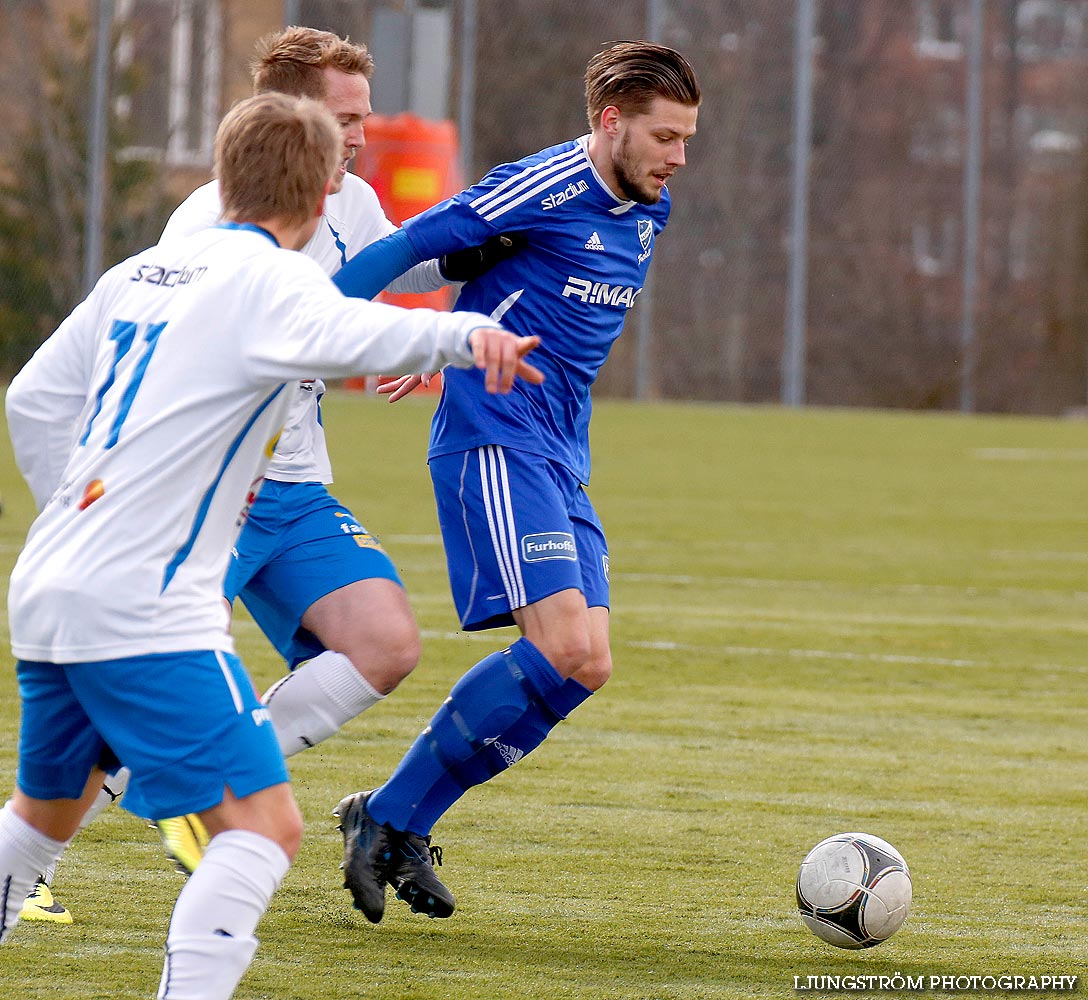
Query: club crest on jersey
[646, 238]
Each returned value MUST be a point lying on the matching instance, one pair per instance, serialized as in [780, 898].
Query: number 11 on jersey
[123, 334]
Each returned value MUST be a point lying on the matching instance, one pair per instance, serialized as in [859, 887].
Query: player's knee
[288, 833]
[385, 658]
[568, 652]
[595, 672]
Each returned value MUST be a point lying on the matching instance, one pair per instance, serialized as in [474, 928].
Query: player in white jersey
[141, 426]
[319, 593]
[523, 542]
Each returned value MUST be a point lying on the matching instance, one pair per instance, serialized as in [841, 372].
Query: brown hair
[274, 154]
[294, 60]
[630, 75]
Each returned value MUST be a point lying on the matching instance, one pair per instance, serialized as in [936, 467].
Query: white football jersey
[353, 219]
[144, 421]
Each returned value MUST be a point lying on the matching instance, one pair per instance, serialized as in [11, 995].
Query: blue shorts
[517, 528]
[297, 545]
[185, 724]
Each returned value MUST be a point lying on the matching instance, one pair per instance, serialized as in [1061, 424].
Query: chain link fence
[943, 260]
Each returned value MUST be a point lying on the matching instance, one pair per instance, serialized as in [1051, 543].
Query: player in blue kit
[523, 543]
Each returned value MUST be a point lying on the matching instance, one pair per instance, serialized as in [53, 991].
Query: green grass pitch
[822, 621]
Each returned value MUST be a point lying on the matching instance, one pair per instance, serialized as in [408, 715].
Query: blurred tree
[42, 197]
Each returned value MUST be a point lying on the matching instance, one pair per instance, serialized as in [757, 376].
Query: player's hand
[398, 388]
[500, 354]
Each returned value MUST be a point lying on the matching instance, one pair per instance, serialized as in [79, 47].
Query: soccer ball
[853, 890]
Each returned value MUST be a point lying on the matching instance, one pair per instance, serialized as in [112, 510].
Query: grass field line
[1015, 554]
[795, 618]
[854, 657]
[1031, 454]
[665, 645]
[1034, 595]
[791, 652]
[827, 586]
[1005, 555]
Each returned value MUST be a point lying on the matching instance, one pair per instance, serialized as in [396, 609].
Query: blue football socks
[498, 712]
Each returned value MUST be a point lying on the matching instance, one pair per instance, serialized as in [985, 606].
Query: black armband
[464, 265]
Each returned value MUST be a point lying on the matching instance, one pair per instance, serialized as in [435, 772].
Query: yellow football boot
[184, 839]
[41, 905]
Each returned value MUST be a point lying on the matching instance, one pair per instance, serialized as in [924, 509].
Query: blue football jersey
[585, 264]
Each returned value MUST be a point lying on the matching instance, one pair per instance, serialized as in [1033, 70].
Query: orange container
[411, 163]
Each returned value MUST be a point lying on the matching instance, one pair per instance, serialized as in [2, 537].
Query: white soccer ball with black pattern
[853, 890]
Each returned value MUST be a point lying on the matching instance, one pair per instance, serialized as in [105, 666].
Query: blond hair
[294, 60]
[274, 156]
[630, 75]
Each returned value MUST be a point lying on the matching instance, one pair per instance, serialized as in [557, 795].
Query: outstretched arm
[459, 265]
[375, 266]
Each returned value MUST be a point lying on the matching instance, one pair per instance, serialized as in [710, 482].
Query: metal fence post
[655, 16]
[793, 355]
[972, 168]
[94, 210]
[466, 98]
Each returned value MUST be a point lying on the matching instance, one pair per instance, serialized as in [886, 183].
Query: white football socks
[312, 702]
[113, 787]
[211, 938]
[24, 854]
